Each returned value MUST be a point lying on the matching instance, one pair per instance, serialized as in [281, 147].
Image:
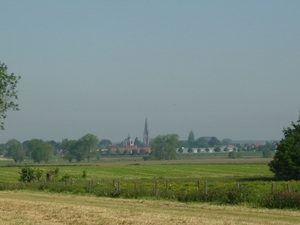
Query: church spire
[146, 138]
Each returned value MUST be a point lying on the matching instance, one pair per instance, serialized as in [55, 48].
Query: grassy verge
[26, 207]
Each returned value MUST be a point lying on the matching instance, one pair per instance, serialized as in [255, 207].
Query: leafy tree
[207, 149]
[134, 152]
[214, 142]
[105, 142]
[16, 152]
[40, 150]
[8, 93]
[88, 145]
[38, 174]
[286, 162]
[190, 150]
[234, 155]
[27, 174]
[180, 150]
[164, 147]
[138, 143]
[98, 155]
[267, 153]
[217, 149]
[201, 142]
[226, 141]
[143, 152]
[125, 152]
[226, 149]
[191, 139]
[68, 147]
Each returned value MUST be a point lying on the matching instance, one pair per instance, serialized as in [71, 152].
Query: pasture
[218, 169]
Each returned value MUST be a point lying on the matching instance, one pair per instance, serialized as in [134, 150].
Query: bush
[27, 174]
[282, 199]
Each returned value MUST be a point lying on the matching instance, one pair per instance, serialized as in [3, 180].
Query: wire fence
[259, 193]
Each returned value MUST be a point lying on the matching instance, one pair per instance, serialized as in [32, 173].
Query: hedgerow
[257, 193]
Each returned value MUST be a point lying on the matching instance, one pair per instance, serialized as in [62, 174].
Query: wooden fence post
[89, 186]
[288, 187]
[167, 186]
[119, 186]
[199, 183]
[135, 186]
[205, 188]
[156, 189]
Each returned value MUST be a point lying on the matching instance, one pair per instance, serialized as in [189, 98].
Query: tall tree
[88, 145]
[40, 150]
[226, 141]
[214, 142]
[286, 162]
[68, 147]
[164, 147]
[16, 152]
[8, 93]
[201, 142]
[191, 139]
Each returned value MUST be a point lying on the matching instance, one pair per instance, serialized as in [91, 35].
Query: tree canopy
[84, 148]
[8, 93]
[164, 147]
[40, 150]
[286, 162]
[16, 152]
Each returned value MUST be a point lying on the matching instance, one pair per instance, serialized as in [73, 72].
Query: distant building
[128, 142]
[146, 137]
[130, 149]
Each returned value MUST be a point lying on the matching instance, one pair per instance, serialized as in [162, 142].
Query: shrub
[27, 174]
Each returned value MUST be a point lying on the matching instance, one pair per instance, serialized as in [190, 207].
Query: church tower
[146, 137]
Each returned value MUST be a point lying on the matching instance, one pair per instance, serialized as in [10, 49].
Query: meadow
[128, 190]
[211, 169]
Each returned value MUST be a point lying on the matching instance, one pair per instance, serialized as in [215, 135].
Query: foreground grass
[25, 207]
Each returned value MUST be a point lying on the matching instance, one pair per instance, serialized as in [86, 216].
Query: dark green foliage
[39, 174]
[84, 174]
[134, 152]
[84, 148]
[234, 155]
[214, 142]
[143, 152]
[286, 162]
[164, 147]
[8, 93]
[180, 149]
[267, 153]
[217, 149]
[282, 199]
[16, 152]
[27, 174]
[39, 150]
[201, 142]
[226, 141]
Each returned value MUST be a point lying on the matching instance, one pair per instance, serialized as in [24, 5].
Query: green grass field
[215, 171]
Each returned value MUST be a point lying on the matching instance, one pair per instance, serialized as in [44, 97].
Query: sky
[228, 69]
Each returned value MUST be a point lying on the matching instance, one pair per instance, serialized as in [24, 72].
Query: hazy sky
[218, 68]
